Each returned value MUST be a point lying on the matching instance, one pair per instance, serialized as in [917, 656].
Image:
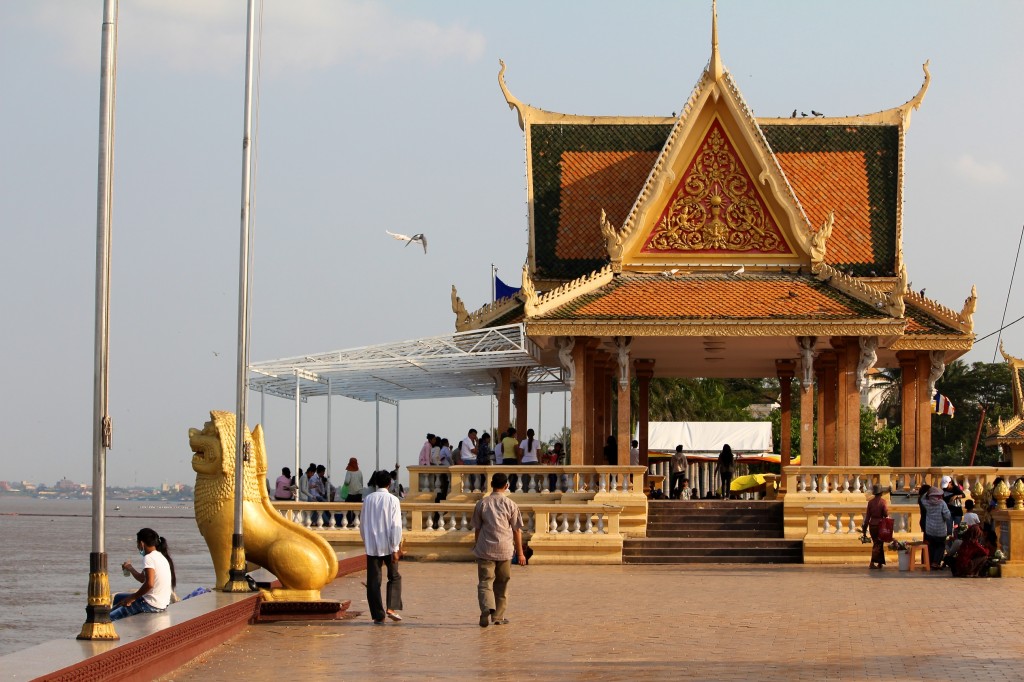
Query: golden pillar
[785, 370]
[924, 410]
[644, 373]
[806, 425]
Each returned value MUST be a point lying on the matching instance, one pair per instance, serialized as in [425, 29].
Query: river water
[44, 560]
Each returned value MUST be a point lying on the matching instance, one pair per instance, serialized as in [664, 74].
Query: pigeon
[816, 113]
[922, 291]
[794, 114]
[739, 270]
[669, 273]
[803, 113]
[418, 237]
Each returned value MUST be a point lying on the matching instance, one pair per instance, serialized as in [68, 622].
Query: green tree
[878, 442]
[969, 387]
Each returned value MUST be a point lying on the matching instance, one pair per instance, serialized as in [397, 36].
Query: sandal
[393, 616]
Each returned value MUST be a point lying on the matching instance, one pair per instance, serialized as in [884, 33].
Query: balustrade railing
[847, 520]
[901, 481]
[526, 479]
[543, 519]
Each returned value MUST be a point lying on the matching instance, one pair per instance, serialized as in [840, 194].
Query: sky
[379, 115]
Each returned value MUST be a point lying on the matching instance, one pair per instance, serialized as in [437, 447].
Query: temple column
[847, 402]
[600, 396]
[908, 408]
[806, 425]
[644, 373]
[580, 389]
[621, 387]
[521, 389]
[785, 370]
[924, 410]
[504, 399]
[825, 368]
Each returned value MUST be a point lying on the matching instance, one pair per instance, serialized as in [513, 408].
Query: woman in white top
[157, 578]
[531, 448]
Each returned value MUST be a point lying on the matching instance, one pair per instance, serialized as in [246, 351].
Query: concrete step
[759, 559]
[715, 533]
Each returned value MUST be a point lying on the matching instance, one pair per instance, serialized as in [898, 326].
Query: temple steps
[713, 531]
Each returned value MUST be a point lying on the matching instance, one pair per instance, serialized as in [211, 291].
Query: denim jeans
[140, 605]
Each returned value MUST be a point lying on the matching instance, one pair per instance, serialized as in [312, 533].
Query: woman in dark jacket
[725, 464]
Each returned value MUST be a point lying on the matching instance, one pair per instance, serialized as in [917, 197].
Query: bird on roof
[803, 113]
[794, 114]
[739, 270]
[816, 113]
[418, 237]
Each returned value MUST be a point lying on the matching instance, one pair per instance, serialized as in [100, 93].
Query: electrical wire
[1008, 290]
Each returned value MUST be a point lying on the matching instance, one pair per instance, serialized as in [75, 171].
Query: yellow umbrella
[741, 483]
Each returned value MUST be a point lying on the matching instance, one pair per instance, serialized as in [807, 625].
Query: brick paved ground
[660, 622]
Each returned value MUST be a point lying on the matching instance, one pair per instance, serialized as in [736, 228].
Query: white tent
[707, 438]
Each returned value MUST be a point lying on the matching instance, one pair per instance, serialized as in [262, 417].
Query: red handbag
[885, 529]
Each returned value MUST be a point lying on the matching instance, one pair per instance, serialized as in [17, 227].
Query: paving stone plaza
[701, 622]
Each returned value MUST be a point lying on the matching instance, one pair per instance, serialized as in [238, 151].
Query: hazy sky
[387, 115]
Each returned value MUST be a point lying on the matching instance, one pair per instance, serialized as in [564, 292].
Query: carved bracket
[807, 361]
[967, 313]
[868, 356]
[529, 292]
[622, 343]
[565, 346]
[938, 366]
[612, 241]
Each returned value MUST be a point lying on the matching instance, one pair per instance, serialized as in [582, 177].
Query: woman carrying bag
[877, 521]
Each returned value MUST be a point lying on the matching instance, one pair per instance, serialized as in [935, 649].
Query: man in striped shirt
[498, 530]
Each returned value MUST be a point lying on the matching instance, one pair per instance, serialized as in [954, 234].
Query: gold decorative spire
[715, 69]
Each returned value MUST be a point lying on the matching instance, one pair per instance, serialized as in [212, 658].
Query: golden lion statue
[301, 560]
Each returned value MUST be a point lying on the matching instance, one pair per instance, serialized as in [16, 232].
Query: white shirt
[159, 596]
[530, 455]
[425, 454]
[468, 456]
[634, 457]
[497, 453]
[381, 523]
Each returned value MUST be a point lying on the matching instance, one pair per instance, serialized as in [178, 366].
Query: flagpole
[236, 578]
[494, 272]
[97, 611]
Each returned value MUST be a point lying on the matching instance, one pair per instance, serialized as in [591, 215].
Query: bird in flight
[418, 237]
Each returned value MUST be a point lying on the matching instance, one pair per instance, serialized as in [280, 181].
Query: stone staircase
[713, 532]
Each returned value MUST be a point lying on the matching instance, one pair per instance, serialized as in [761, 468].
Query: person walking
[381, 530]
[678, 473]
[877, 510]
[497, 532]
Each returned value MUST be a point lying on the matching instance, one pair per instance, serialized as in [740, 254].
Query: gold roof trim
[964, 321]
[550, 300]
[459, 308]
[761, 328]
[932, 342]
[1016, 365]
[857, 289]
[488, 312]
[894, 116]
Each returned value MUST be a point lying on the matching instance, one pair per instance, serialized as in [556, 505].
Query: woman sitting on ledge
[157, 578]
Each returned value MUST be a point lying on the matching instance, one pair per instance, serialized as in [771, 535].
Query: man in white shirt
[381, 530]
[468, 453]
[634, 453]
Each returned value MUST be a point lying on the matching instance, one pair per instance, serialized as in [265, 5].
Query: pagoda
[714, 243]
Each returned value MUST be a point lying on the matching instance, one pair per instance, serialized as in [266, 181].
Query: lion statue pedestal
[302, 561]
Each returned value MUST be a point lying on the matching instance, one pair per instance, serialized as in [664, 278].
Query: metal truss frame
[462, 364]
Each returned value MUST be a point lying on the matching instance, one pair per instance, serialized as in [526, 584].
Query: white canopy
[707, 438]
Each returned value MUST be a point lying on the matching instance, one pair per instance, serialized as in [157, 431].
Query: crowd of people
[957, 536]
[475, 448]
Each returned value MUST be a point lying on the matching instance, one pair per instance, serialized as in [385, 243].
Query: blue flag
[502, 290]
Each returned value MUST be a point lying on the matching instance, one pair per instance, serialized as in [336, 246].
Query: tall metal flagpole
[236, 578]
[97, 611]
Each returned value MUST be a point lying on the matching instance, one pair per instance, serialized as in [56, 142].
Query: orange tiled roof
[725, 297]
[834, 181]
[590, 182]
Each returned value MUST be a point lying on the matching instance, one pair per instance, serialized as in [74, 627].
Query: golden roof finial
[715, 65]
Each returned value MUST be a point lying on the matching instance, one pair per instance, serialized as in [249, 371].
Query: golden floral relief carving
[716, 207]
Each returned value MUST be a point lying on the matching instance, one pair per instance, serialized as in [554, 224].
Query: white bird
[418, 237]
[739, 270]
[669, 273]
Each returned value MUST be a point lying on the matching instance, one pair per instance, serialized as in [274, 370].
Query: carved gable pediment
[716, 195]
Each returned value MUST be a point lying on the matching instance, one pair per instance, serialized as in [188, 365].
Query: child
[969, 518]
